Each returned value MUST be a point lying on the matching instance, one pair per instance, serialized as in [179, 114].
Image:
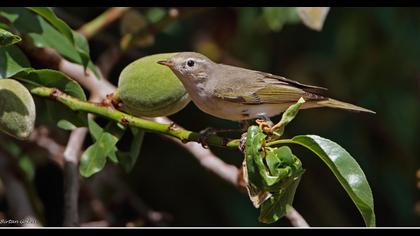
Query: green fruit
[146, 88]
[17, 109]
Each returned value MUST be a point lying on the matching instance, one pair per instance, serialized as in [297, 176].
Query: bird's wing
[254, 87]
[305, 87]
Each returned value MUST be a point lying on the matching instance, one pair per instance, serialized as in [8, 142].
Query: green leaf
[254, 157]
[82, 46]
[113, 156]
[4, 26]
[276, 17]
[50, 16]
[27, 165]
[272, 176]
[277, 205]
[61, 115]
[12, 61]
[46, 30]
[66, 125]
[155, 14]
[94, 158]
[75, 38]
[42, 34]
[287, 117]
[128, 160]
[346, 170]
[96, 130]
[11, 147]
[7, 38]
[53, 79]
[57, 113]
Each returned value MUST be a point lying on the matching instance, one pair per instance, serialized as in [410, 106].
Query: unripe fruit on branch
[17, 109]
[146, 88]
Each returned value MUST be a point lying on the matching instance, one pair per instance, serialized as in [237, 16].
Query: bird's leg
[265, 123]
[242, 144]
[209, 131]
[204, 136]
[244, 124]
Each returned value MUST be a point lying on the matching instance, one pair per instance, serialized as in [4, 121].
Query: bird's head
[190, 67]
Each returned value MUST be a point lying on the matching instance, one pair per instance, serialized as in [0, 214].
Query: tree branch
[128, 120]
[206, 158]
[295, 218]
[40, 137]
[103, 20]
[71, 176]
[20, 207]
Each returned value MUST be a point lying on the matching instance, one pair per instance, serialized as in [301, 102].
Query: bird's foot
[205, 135]
[242, 144]
[209, 131]
[265, 125]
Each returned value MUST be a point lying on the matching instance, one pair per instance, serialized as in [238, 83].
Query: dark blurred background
[366, 56]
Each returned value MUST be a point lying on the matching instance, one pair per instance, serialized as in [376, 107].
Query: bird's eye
[190, 63]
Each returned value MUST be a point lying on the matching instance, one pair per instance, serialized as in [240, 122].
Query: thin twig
[103, 20]
[109, 180]
[67, 158]
[19, 205]
[206, 158]
[152, 28]
[40, 137]
[295, 218]
[71, 176]
[108, 59]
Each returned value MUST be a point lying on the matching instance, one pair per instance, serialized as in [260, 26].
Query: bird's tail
[341, 105]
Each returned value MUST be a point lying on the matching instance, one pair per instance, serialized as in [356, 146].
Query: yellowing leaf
[313, 17]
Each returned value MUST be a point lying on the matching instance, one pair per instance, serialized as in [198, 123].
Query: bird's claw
[242, 144]
[265, 125]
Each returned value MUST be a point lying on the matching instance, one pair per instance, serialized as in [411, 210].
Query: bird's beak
[166, 63]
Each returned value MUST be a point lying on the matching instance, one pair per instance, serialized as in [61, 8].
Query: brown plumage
[236, 93]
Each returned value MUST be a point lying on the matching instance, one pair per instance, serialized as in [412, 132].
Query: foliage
[274, 173]
[273, 170]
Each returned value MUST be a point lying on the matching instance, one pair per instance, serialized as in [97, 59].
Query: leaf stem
[280, 141]
[129, 120]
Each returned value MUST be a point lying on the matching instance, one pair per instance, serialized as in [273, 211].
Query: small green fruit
[17, 109]
[146, 88]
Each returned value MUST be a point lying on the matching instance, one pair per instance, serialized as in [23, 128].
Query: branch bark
[129, 120]
[71, 176]
[295, 218]
[20, 207]
[206, 158]
[40, 137]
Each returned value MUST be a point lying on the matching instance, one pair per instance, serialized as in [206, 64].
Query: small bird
[239, 94]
